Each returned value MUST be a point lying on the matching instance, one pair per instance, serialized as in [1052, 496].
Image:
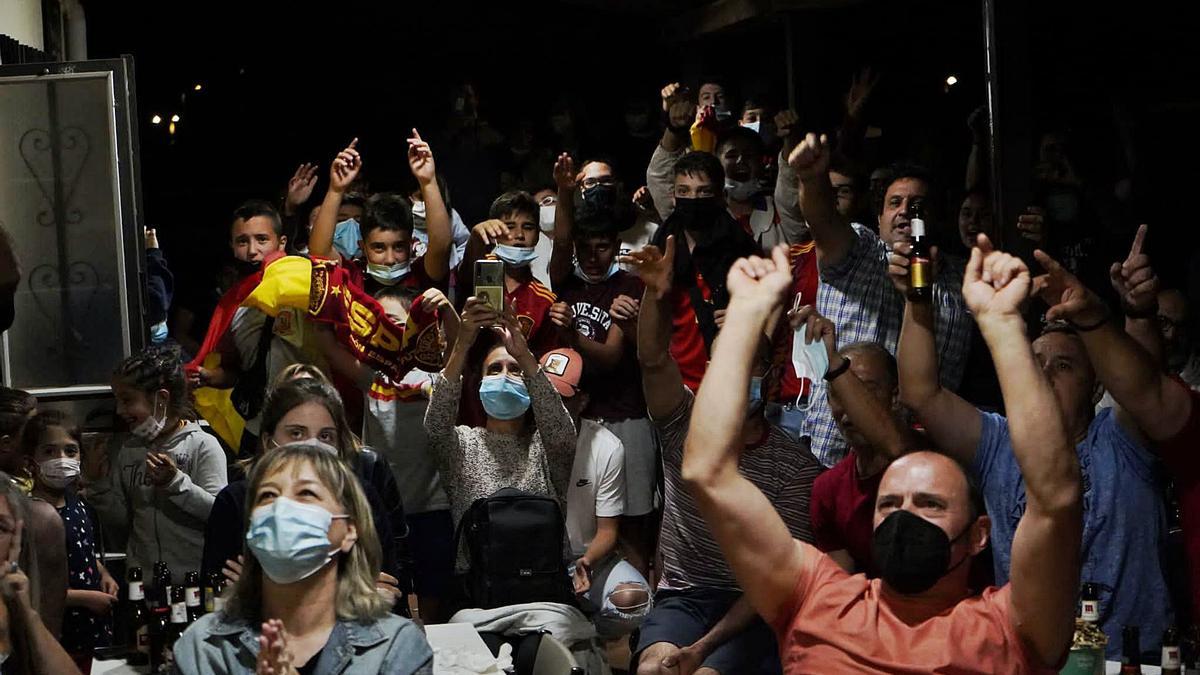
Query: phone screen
[489, 283]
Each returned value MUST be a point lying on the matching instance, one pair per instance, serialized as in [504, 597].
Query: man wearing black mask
[928, 519]
[714, 240]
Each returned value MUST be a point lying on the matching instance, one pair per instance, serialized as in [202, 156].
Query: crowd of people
[761, 424]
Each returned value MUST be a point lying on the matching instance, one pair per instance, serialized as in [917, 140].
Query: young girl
[51, 443]
[162, 484]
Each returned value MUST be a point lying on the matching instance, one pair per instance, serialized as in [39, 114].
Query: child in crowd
[51, 442]
[163, 481]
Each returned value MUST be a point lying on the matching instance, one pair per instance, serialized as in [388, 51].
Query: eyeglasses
[592, 182]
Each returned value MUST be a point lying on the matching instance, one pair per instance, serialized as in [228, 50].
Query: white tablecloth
[117, 667]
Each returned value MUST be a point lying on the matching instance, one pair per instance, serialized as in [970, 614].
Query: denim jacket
[221, 645]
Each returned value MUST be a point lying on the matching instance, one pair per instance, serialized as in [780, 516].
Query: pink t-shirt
[838, 623]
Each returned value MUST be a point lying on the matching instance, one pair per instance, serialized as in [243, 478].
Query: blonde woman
[306, 599]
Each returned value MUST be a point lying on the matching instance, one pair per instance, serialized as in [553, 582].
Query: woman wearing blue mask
[534, 452]
[303, 406]
[306, 600]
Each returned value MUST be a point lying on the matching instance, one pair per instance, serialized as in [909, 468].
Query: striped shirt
[781, 467]
[857, 295]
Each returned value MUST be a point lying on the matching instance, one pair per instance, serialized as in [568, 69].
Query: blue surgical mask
[290, 540]
[503, 397]
[389, 275]
[514, 256]
[345, 238]
[753, 126]
[811, 361]
[612, 269]
[158, 333]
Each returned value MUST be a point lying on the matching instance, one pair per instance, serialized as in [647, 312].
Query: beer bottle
[1131, 652]
[218, 601]
[162, 584]
[920, 263]
[210, 592]
[1089, 604]
[1172, 660]
[191, 585]
[159, 628]
[139, 620]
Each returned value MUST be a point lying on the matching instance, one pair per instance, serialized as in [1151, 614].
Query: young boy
[394, 425]
[387, 226]
[513, 231]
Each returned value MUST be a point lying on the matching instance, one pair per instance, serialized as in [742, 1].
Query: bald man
[919, 615]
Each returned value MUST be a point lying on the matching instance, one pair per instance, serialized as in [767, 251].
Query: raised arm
[563, 253]
[342, 173]
[680, 111]
[437, 217]
[953, 424]
[764, 557]
[1046, 547]
[787, 183]
[661, 381]
[832, 232]
[877, 423]
[1158, 406]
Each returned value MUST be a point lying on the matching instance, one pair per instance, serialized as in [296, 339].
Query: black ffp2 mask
[912, 554]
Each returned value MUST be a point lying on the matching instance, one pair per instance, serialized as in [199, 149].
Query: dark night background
[288, 83]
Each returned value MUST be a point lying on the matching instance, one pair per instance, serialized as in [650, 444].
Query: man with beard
[701, 622]
[855, 291]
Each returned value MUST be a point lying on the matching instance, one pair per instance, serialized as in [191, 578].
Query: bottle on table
[160, 627]
[1172, 659]
[179, 612]
[138, 620]
[218, 591]
[920, 262]
[191, 585]
[1089, 604]
[162, 584]
[1131, 651]
[210, 592]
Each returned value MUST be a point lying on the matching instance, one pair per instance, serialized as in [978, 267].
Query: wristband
[834, 374]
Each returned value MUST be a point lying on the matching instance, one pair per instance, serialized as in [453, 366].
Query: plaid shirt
[857, 295]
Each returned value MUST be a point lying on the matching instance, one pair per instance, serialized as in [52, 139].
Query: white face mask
[741, 190]
[811, 361]
[753, 126]
[59, 472]
[546, 217]
[149, 428]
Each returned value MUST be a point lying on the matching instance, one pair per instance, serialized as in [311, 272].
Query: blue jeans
[610, 620]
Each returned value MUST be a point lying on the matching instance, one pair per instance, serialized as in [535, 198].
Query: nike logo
[582, 482]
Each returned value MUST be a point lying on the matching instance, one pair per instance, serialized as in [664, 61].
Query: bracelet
[1089, 327]
[837, 372]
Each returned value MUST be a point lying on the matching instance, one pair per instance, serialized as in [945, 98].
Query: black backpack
[515, 550]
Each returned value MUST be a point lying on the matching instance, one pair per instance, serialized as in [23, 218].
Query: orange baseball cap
[564, 367]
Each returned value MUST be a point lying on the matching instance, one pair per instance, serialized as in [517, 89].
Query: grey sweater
[476, 462]
[164, 523]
